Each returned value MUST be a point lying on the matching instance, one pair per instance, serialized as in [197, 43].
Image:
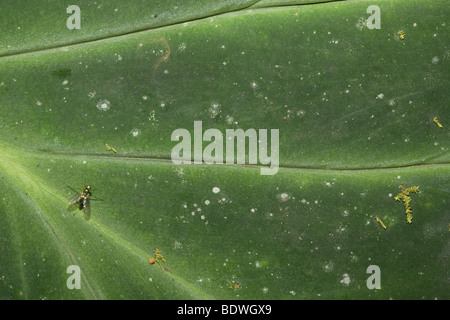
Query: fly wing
[95, 198]
[87, 208]
[75, 199]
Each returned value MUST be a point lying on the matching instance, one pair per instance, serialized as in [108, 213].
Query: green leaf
[354, 108]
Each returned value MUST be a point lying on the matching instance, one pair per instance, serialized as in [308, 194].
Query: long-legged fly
[83, 200]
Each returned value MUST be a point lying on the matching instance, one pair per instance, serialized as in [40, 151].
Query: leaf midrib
[99, 157]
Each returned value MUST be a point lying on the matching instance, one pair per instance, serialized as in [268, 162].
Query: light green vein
[139, 254]
[33, 187]
[27, 181]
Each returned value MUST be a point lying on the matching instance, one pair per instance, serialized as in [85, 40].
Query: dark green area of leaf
[36, 25]
[354, 108]
[316, 86]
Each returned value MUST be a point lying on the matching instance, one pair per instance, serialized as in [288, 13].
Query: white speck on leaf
[103, 105]
[361, 23]
[229, 119]
[283, 197]
[328, 266]
[214, 110]
[135, 132]
[345, 279]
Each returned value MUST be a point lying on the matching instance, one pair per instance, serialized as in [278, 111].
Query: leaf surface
[354, 108]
